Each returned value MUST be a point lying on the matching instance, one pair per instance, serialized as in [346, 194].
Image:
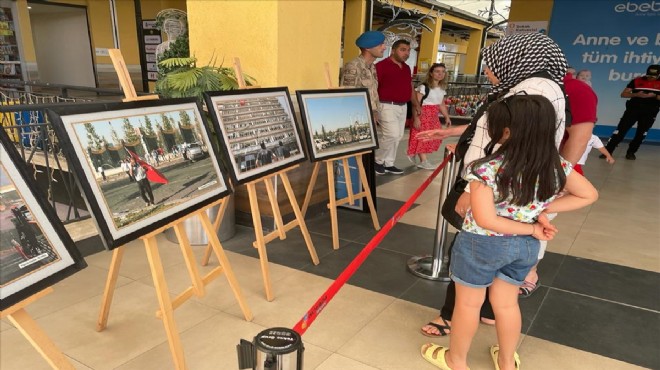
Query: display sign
[617, 41]
[10, 59]
[151, 37]
[513, 28]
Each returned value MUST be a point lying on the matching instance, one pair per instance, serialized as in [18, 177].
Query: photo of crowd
[259, 131]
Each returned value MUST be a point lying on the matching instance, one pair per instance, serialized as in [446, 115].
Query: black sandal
[441, 328]
[528, 288]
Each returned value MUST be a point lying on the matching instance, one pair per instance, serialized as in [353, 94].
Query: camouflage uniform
[357, 73]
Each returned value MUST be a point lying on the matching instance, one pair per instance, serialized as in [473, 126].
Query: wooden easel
[280, 228]
[33, 333]
[351, 197]
[167, 305]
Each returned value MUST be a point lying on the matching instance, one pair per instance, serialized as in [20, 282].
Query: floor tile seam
[95, 296]
[339, 354]
[375, 315]
[78, 361]
[536, 314]
[604, 300]
[340, 238]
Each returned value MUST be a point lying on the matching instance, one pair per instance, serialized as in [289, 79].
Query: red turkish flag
[153, 174]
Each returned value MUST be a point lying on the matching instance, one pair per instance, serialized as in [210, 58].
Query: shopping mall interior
[148, 300]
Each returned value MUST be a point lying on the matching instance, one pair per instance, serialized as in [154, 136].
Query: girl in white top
[432, 103]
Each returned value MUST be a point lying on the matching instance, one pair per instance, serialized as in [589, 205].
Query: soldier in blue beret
[361, 72]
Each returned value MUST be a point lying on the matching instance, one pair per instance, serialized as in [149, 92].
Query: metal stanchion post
[436, 267]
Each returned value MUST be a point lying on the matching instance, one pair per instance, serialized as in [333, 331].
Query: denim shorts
[476, 260]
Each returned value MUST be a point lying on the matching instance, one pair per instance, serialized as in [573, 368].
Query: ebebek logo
[630, 7]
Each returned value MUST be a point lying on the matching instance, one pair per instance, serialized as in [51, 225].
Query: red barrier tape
[326, 297]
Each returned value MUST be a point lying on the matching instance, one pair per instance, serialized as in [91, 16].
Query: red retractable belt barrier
[326, 297]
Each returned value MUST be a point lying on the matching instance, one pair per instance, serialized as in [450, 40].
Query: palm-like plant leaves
[187, 80]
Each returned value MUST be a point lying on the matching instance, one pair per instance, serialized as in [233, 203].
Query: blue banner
[616, 40]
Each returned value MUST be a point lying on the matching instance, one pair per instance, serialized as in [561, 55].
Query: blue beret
[370, 39]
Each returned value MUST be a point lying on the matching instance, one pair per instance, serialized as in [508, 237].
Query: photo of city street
[259, 131]
[144, 167]
[24, 248]
[337, 123]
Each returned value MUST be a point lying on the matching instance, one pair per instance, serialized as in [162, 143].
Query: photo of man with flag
[111, 141]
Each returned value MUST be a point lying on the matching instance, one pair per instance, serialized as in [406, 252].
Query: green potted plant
[179, 76]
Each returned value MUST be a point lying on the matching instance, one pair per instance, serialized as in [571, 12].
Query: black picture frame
[197, 183]
[270, 112]
[31, 231]
[332, 107]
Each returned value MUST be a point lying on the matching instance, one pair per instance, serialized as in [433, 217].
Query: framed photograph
[259, 131]
[140, 165]
[337, 122]
[35, 249]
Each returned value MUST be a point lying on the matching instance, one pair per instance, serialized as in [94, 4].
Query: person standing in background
[395, 89]
[361, 71]
[643, 94]
[431, 96]
[583, 104]
[594, 142]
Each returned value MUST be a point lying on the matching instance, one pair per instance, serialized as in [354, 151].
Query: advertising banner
[616, 40]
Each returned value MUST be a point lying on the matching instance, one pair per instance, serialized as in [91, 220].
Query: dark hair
[530, 157]
[399, 42]
[263, 145]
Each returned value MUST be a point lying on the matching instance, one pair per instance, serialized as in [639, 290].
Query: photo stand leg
[351, 197]
[300, 218]
[277, 215]
[216, 225]
[281, 229]
[109, 291]
[332, 205]
[34, 334]
[310, 188]
[260, 244]
[224, 265]
[164, 301]
[367, 192]
[198, 287]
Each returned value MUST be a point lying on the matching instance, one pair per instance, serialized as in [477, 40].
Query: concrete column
[279, 43]
[473, 50]
[354, 24]
[428, 47]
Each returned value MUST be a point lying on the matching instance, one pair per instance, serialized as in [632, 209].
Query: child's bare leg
[422, 157]
[504, 299]
[464, 324]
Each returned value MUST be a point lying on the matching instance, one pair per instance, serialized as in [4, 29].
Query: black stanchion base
[423, 267]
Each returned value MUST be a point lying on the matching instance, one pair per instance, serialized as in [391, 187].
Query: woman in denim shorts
[510, 191]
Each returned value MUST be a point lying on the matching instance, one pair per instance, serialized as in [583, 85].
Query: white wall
[62, 46]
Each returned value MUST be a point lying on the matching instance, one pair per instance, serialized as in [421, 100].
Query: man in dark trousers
[265, 156]
[140, 175]
[642, 107]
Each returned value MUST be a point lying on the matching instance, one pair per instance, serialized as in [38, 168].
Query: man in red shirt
[395, 89]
